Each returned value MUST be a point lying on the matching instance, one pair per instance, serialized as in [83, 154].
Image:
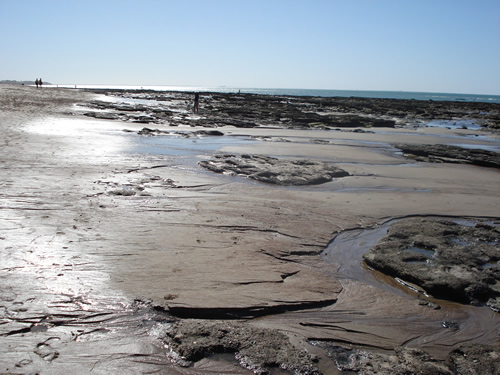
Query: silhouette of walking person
[40, 82]
[36, 82]
[196, 102]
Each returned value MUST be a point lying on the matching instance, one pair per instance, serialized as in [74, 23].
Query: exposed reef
[275, 171]
[466, 359]
[448, 260]
[451, 154]
[256, 349]
[306, 112]
[249, 312]
[153, 132]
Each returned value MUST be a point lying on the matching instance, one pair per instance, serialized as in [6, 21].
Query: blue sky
[407, 45]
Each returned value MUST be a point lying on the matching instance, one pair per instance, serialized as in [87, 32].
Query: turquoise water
[309, 92]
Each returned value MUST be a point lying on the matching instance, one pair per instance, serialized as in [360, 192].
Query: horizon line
[271, 88]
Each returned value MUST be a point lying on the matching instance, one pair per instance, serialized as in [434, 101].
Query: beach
[133, 239]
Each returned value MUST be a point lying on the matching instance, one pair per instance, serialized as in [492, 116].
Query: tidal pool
[346, 251]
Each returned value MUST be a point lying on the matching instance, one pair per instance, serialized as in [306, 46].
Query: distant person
[36, 82]
[40, 82]
[196, 102]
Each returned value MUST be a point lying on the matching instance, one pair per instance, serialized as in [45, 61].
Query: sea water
[307, 92]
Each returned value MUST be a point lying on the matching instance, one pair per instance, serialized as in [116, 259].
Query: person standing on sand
[40, 82]
[36, 82]
[196, 102]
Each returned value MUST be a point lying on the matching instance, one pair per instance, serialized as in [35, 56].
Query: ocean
[308, 92]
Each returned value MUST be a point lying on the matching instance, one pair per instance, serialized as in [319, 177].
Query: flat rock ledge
[244, 312]
[274, 171]
[257, 349]
[466, 359]
[262, 350]
[448, 260]
[451, 154]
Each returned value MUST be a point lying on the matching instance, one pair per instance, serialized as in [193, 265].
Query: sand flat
[89, 226]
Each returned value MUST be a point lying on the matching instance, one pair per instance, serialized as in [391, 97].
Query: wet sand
[103, 242]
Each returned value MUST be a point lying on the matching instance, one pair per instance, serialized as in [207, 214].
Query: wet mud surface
[121, 253]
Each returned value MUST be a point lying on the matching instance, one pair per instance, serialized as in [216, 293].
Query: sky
[448, 46]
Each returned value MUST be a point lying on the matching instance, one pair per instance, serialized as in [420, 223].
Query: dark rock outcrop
[451, 154]
[248, 312]
[251, 110]
[149, 131]
[103, 115]
[470, 359]
[152, 132]
[257, 349]
[475, 359]
[275, 171]
[216, 133]
[448, 260]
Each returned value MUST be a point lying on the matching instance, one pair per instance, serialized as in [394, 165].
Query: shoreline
[369, 94]
[146, 226]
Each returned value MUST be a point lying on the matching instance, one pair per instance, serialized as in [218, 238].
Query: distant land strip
[14, 82]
